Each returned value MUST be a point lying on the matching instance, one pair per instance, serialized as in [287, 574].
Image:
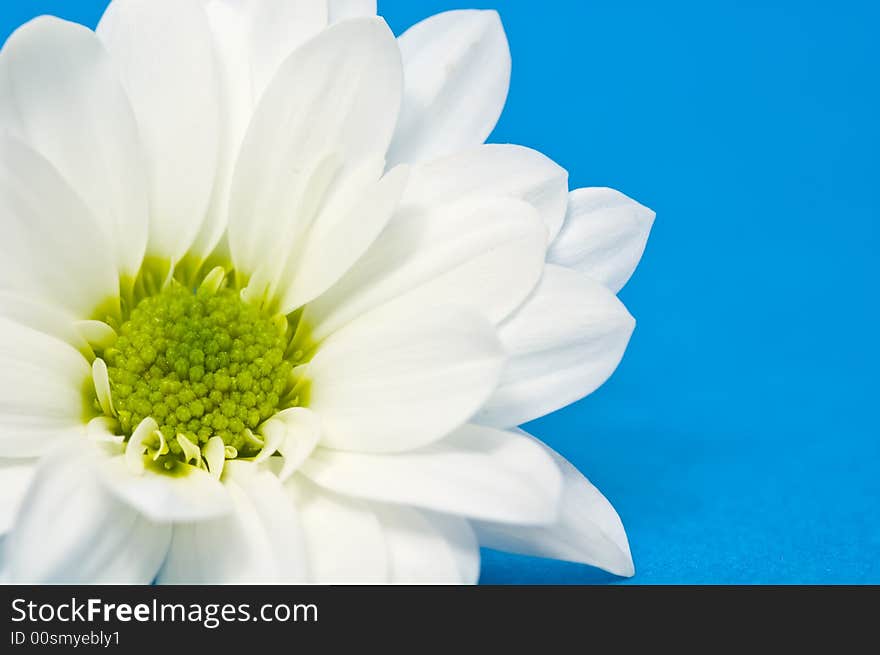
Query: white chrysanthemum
[271, 311]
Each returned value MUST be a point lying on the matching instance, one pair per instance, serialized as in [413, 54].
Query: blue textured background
[739, 438]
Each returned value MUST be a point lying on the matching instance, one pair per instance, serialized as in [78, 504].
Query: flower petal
[343, 537]
[375, 383]
[258, 35]
[164, 51]
[494, 170]
[70, 530]
[48, 319]
[486, 253]
[462, 541]
[15, 478]
[252, 39]
[259, 542]
[426, 549]
[190, 496]
[59, 83]
[53, 249]
[340, 235]
[345, 9]
[476, 472]
[232, 51]
[293, 432]
[274, 29]
[457, 74]
[588, 531]
[564, 342]
[307, 128]
[604, 236]
[41, 396]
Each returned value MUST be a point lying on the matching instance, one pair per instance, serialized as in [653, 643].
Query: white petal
[70, 530]
[462, 541]
[252, 39]
[428, 550]
[293, 432]
[340, 235]
[53, 248]
[9, 114]
[476, 472]
[233, 56]
[215, 456]
[604, 236]
[308, 126]
[15, 477]
[41, 390]
[164, 51]
[280, 244]
[588, 531]
[345, 9]
[266, 33]
[402, 377]
[564, 342]
[457, 73]
[274, 432]
[259, 542]
[60, 84]
[344, 539]
[494, 170]
[42, 317]
[101, 382]
[486, 253]
[191, 452]
[275, 28]
[190, 495]
[97, 333]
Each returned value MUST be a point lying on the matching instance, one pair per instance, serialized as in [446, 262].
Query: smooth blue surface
[739, 438]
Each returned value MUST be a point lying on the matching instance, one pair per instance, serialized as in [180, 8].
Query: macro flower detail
[272, 310]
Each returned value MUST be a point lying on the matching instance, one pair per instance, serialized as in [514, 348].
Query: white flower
[270, 311]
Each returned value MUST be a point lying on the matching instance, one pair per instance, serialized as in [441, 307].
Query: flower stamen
[192, 374]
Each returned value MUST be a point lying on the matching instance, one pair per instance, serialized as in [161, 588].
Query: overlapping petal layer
[61, 95]
[91, 538]
[588, 529]
[557, 357]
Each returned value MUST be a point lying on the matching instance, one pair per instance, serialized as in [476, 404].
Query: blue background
[739, 438]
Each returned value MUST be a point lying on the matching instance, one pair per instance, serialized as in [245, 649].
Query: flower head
[271, 310]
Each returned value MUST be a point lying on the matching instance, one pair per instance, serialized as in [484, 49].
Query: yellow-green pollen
[202, 363]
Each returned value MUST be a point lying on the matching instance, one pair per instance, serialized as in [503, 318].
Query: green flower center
[202, 364]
